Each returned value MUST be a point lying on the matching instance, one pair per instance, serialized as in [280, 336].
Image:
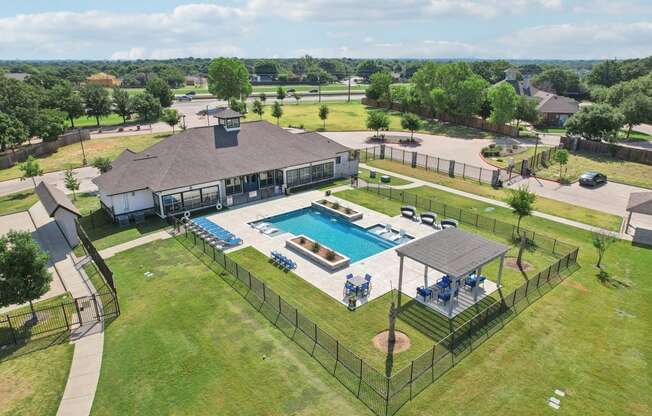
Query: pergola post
[476, 288]
[425, 276]
[400, 282]
[500, 269]
[454, 285]
[629, 219]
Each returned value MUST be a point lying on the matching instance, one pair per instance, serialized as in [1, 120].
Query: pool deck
[383, 267]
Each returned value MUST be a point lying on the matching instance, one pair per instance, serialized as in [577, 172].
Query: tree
[30, 169]
[257, 108]
[173, 76]
[171, 117]
[503, 101]
[147, 107]
[297, 97]
[323, 113]
[595, 122]
[12, 132]
[602, 241]
[71, 182]
[22, 101]
[66, 99]
[521, 201]
[228, 78]
[103, 164]
[636, 109]
[561, 157]
[263, 97]
[526, 110]
[160, 89]
[280, 94]
[369, 67]
[377, 120]
[97, 102]
[411, 122]
[24, 274]
[121, 103]
[266, 67]
[557, 80]
[50, 124]
[277, 112]
[237, 105]
[380, 87]
[606, 73]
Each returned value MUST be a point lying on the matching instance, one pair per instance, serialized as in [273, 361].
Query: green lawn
[502, 161]
[395, 181]
[17, 202]
[622, 134]
[112, 119]
[353, 116]
[187, 343]
[617, 170]
[546, 205]
[70, 156]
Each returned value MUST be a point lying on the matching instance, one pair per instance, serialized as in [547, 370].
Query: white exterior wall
[135, 201]
[66, 221]
[346, 167]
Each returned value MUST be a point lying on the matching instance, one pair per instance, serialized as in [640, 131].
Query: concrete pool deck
[383, 267]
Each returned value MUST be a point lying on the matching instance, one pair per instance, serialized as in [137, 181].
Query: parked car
[593, 179]
[184, 98]
[191, 93]
[314, 91]
[291, 90]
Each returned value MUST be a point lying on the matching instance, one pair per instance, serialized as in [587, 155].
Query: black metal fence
[104, 270]
[542, 159]
[431, 163]
[386, 395]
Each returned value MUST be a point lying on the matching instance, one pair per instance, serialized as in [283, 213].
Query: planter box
[341, 213]
[339, 262]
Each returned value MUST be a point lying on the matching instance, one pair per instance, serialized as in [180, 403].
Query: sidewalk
[418, 182]
[111, 251]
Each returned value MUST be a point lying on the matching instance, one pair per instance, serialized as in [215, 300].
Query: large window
[232, 123]
[191, 198]
[172, 203]
[266, 179]
[209, 195]
[233, 186]
[314, 173]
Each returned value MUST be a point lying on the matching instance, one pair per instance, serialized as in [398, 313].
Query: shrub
[330, 255]
[348, 210]
[302, 240]
[336, 205]
[315, 247]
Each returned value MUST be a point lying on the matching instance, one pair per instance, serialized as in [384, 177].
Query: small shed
[59, 207]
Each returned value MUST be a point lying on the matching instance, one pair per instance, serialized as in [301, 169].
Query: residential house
[104, 80]
[18, 76]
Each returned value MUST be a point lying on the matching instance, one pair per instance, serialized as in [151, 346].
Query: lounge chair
[261, 226]
[428, 218]
[233, 241]
[449, 223]
[408, 211]
[269, 230]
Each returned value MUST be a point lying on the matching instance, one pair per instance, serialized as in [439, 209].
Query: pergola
[639, 203]
[454, 252]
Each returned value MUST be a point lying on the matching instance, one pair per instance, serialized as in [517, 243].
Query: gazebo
[639, 203]
[455, 253]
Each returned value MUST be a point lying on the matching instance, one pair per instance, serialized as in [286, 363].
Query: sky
[480, 29]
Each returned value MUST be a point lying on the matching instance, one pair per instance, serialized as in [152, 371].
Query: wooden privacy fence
[629, 154]
[9, 158]
[386, 395]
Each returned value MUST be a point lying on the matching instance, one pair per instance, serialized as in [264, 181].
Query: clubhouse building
[224, 165]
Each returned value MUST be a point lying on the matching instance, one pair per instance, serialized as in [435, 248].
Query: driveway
[55, 178]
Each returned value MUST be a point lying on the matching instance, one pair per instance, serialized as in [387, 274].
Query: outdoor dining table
[357, 281]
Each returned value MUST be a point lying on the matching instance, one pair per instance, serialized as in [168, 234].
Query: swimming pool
[340, 235]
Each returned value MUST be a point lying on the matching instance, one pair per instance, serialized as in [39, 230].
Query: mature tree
[526, 110]
[24, 275]
[406, 96]
[97, 102]
[561, 157]
[12, 132]
[636, 109]
[266, 67]
[237, 105]
[160, 89]
[147, 107]
[323, 113]
[263, 97]
[380, 87]
[606, 73]
[65, 98]
[228, 78]
[521, 201]
[257, 108]
[602, 240]
[595, 122]
[103, 164]
[557, 80]
[277, 112]
[22, 101]
[31, 169]
[173, 76]
[121, 103]
[50, 124]
[411, 122]
[171, 117]
[369, 67]
[377, 120]
[280, 94]
[504, 102]
[318, 75]
[71, 182]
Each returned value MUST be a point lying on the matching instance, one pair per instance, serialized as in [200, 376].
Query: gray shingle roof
[53, 199]
[206, 154]
[453, 251]
[640, 203]
[225, 113]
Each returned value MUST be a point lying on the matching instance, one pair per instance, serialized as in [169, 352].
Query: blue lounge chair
[349, 276]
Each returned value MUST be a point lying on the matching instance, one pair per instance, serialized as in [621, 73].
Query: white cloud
[423, 49]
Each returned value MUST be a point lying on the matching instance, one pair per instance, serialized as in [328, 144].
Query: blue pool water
[337, 234]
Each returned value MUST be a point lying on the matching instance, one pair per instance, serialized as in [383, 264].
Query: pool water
[337, 234]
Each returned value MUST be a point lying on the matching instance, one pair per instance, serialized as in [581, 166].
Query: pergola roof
[640, 203]
[453, 251]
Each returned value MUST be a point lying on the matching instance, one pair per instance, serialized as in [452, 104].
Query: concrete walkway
[418, 182]
[111, 251]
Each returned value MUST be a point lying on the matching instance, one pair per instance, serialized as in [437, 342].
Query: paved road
[56, 178]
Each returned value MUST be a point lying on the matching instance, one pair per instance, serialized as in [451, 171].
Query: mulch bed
[402, 342]
[400, 140]
[323, 252]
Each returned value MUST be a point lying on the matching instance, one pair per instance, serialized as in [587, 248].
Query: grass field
[549, 206]
[17, 202]
[353, 117]
[617, 170]
[502, 161]
[86, 121]
[622, 134]
[70, 156]
[366, 175]
[187, 343]
[266, 88]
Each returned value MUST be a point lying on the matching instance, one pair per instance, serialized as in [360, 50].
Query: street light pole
[536, 146]
[81, 142]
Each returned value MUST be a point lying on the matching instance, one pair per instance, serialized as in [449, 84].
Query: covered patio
[460, 256]
[639, 203]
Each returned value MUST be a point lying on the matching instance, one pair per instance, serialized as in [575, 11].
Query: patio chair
[428, 218]
[449, 223]
[349, 276]
[367, 277]
[365, 288]
[444, 282]
[425, 293]
[348, 288]
[470, 282]
[408, 211]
